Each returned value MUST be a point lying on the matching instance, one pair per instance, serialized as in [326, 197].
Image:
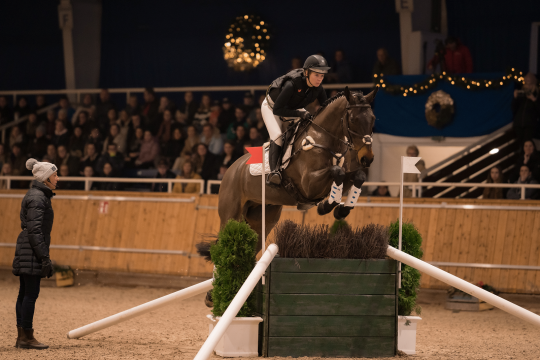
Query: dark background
[166, 43]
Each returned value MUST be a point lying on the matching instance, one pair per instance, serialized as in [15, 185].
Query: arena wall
[449, 235]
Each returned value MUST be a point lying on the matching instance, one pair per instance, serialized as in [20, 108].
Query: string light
[245, 43]
[431, 82]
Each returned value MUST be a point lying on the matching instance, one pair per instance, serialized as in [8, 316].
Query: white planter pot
[241, 338]
[407, 334]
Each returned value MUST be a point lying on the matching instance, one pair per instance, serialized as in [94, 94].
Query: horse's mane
[334, 98]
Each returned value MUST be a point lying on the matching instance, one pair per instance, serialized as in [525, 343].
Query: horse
[334, 145]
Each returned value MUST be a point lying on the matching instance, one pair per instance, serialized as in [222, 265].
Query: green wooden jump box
[328, 308]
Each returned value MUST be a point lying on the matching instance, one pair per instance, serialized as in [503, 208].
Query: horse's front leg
[342, 211]
[338, 175]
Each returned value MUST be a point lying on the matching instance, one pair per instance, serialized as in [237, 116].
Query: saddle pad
[256, 169]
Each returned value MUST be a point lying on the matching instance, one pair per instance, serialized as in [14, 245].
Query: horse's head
[360, 122]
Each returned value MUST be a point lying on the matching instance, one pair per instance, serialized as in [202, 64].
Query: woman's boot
[20, 335]
[30, 342]
[274, 160]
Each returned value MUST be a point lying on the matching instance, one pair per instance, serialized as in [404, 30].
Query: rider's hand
[307, 116]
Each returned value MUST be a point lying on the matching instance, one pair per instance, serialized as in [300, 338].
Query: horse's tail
[203, 248]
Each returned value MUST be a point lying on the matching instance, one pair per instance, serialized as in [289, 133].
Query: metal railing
[17, 121]
[129, 91]
[89, 180]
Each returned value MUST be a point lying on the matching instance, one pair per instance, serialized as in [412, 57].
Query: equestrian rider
[285, 101]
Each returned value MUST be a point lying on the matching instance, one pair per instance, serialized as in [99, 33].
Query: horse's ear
[369, 97]
[347, 93]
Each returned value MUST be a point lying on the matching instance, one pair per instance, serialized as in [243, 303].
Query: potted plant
[410, 282]
[234, 259]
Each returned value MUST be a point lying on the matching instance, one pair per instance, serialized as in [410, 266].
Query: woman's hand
[531, 97]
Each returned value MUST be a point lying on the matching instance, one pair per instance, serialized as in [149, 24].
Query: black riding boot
[274, 159]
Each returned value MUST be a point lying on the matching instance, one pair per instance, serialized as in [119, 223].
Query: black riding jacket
[294, 94]
[35, 238]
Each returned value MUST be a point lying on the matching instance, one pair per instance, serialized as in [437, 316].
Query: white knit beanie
[41, 170]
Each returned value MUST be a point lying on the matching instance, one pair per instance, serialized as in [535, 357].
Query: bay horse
[341, 130]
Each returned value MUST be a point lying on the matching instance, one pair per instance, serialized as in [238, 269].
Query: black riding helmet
[316, 63]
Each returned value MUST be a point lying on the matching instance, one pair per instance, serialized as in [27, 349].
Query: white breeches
[273, 123]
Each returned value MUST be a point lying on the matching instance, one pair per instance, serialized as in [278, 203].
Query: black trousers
[26, 301]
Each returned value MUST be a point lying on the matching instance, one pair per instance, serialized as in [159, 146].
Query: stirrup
[274, 178]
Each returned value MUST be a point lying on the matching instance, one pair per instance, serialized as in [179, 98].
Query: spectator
[525, 177]
[4, 158]
[214, 188]
[213, 142]
[249, 107]
[16, 136]
[179, 162]
[87, 106]
[203, 112]
[296, 63]
[240, 138]
[65, 158]
[456, 59]
[382, 190]
[50, 124]
[341, 69]
[239, 119]
[89, 172]
[6, 171]
[51, 154]
[213, 120]
[495, 176]
[124, 124]
[85, 123]
[103, 105]
[66, 184]
[166, 104]
[18, 160]
[255, 138]
[412, 151]
[165, 129]
[205, 162]
[108, 171]
[149, 151]
[174, 146]
[181, 119]
[132, 106]
[229, 157]
[115, 137]
[151, 109]
[61, 136]
[112, 118]
[526, 109]
[385, 64]
[528, 156]
[65, 105]
[192, 139]
[226, 116]
[189, 107]
[22, 108]
[95, 138]
[136, 122]
[260, 125]
[40, 104]
[163, 173]
[113, 157]
[187, 173]
[37, 147]
[134, 148]
[6, 113]
[31, 125]
[90, 158]
[77, 143]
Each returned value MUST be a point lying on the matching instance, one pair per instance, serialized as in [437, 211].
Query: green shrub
[410, 277]
[338, 225]
[234, 258]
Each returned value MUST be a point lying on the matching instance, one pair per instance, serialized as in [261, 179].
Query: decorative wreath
[246, 43]
[439, 109]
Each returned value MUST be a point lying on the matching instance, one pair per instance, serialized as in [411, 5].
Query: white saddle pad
[256, 169]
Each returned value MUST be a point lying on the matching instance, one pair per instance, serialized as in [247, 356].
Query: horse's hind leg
[342, 211]
[254, 219]
[338, 174]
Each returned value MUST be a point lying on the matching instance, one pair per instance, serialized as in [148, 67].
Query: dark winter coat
[35, 238]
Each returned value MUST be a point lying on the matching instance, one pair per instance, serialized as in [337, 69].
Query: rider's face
[315, 79]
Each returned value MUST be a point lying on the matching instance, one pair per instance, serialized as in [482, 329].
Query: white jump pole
[141, 309]
[465, 286]
[239, 300]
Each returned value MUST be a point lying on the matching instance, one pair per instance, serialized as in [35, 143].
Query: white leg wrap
[335, 193]
[353, 196]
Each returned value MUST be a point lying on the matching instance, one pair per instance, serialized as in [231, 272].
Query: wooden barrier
[450, 235]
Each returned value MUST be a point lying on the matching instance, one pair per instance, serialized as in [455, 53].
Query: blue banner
[476, 113]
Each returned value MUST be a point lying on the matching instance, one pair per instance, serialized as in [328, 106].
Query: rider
[285, 101]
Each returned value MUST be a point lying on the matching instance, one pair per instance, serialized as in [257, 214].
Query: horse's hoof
[324, 207]
[341, 212]
[208, 300]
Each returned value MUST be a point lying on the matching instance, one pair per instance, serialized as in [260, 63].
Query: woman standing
[32, 262]
[495, 176]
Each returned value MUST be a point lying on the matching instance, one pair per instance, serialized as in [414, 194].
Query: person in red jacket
[456, 60]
